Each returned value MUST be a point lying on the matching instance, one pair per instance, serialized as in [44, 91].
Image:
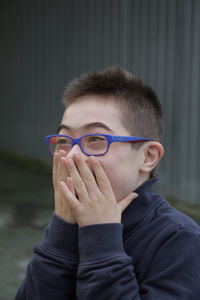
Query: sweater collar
[136, 211]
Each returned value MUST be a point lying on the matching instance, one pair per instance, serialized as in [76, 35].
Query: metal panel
[46, 43]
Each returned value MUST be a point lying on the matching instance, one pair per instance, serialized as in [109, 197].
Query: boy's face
[92, 114]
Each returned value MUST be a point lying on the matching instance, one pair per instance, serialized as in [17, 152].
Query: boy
[106, 241]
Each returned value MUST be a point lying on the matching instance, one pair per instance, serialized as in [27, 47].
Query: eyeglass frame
[110, 139]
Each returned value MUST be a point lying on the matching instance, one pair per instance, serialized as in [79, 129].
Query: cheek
[122, 167]
[120, 173]
[111, 168]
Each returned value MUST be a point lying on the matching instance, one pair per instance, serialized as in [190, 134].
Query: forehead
[94, 109]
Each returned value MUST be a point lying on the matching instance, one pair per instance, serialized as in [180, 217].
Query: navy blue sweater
[153, 254]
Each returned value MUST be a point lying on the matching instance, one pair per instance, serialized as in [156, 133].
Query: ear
[152, 154]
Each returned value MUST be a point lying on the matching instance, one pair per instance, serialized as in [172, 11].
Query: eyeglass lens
[60, 143]
[93, 145]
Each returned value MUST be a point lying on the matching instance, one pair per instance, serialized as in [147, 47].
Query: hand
[94, 201]
[60, 173]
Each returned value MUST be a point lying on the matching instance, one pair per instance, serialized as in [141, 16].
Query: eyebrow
[85, 127]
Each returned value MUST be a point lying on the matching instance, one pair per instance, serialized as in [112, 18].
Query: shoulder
[175, 219]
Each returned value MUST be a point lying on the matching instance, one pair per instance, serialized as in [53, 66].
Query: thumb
[124, 203]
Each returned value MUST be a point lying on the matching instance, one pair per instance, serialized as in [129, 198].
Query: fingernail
[76, 156]
[63, 158]
[93, 158]
[62, 185]
[61, 152]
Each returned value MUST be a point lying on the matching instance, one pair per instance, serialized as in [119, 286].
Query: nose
[76, 149]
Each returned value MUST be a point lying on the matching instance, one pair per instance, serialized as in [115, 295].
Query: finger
[69, 197]
[79, 186]
[85, 173]
[55, 167]
[101, 177]
[63, 169]
[61, 154]
[71, 185]
[124, 203]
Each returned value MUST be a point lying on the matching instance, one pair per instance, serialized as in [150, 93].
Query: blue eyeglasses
[90, 144]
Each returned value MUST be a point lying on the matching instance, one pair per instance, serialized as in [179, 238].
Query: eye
[63, 141]
[96, 139]
[94, 144]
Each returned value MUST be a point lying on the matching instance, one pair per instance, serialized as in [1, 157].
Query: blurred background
[46, 43]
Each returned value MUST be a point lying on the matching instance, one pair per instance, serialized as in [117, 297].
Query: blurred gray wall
[46, 43]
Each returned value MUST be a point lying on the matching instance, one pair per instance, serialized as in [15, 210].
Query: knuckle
[79, 186]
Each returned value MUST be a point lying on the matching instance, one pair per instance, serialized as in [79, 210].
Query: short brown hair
[142, 113]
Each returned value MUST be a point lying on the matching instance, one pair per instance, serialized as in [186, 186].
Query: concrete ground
[26, 205]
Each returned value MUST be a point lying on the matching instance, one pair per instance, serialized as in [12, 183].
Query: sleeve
[106, 272]
[51, 273]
